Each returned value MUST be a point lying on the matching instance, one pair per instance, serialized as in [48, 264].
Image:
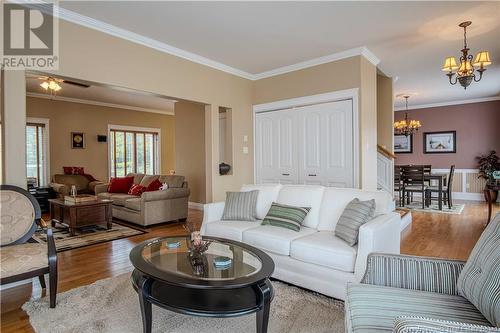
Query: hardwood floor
[431, 234]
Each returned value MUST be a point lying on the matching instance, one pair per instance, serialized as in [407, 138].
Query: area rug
[456, 209]
[112, 305]
[85, 236]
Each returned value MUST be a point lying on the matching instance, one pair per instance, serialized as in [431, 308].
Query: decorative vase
[224, 168]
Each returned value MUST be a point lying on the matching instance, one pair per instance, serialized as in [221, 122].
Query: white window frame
[137, 129]
[45, 145]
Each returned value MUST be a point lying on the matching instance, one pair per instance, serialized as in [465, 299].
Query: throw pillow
[153, 186]
[285, 216]
[137, 190]
[479, 281]
[354, 216]
[120, 184]
[240, 206]
[73, 170]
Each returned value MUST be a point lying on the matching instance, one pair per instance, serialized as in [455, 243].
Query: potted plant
[486, 165]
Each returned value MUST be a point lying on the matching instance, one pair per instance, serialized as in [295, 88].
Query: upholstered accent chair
[61, 184]
[409, 294]
[20, 258]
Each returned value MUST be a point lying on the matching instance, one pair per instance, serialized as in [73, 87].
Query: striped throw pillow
[285, 216]
[354, 216]
[241, 206]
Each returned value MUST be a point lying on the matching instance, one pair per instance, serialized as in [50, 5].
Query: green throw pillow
[289, 217]
[354, 216]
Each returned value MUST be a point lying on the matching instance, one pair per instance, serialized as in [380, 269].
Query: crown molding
[115, 31]
[359, 51]
[464, 101]
[97, 103]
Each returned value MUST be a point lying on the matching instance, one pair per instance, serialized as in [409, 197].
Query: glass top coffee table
[220, 278]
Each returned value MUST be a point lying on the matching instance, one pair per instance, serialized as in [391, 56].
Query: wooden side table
[76, 215]
[487, 194]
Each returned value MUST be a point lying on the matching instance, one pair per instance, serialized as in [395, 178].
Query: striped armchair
[409, 294]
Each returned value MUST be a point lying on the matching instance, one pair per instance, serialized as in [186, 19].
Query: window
[36, 152]
[133, 151]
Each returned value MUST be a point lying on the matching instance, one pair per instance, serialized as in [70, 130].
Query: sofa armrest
[211, 212]
[428, 325]
[381, 234]
[62, 189]
[171, 193]
[94, 183]
[101, 188]
[412, 272]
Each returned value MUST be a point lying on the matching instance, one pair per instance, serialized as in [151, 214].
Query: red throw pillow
[137, 190]
[154, 186]
[73, 170]
[120, 184]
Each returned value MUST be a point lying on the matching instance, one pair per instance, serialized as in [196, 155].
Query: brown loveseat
[62, 183]
[151, 207]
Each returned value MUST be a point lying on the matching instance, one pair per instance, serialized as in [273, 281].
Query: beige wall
[67, 117]
[190, 147]
[94, 56]
[385, 112]
[354, 72]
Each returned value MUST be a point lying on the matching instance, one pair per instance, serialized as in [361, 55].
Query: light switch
[245, 138]
[245, 150]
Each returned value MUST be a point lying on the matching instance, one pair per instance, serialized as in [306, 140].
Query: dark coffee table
[187, 282]
[77, 215]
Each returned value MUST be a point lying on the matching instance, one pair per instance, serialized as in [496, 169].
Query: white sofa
[313, 258]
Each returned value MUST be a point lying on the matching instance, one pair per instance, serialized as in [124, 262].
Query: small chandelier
[406, 127]
[51, 85]
[465, 72]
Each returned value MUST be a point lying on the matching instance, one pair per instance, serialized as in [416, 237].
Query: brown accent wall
[67, 117]
[478, 132]
[190, 147]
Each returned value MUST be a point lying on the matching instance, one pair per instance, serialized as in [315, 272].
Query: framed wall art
[403, 144]
[77, 140]
[440, 142]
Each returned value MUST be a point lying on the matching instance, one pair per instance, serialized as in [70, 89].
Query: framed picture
[77, 140]
[440, 142]
[403, 144]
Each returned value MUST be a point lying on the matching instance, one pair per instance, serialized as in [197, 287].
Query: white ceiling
[104, 96]
[411, 39]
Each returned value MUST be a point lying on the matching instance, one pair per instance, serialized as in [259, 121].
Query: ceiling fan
[53, 84]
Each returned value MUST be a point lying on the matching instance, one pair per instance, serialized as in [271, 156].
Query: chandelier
[465, 72]
[52, 85]
[406, 127]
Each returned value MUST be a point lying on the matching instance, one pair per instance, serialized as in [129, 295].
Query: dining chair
[414, 182]
[398, 183]
[22, 257]
[446, 190]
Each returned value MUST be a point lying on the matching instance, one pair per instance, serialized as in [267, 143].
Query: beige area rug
[456, 209]
[112, 305]
[85, 236]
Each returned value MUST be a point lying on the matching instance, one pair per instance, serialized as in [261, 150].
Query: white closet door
[306, 145]
[326, 144]
[276, 147]
[338, 146]
[310, 135]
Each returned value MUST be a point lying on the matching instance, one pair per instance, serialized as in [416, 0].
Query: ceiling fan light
[482, 59]
[450, 64]
[57, 87]
[44, 85]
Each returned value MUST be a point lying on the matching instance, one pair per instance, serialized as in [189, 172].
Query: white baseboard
[195, 205]
[406, 221]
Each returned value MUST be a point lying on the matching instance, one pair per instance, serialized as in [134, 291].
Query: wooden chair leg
[53, 285]
[423, 199]
[450, 203]
[41, 278]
